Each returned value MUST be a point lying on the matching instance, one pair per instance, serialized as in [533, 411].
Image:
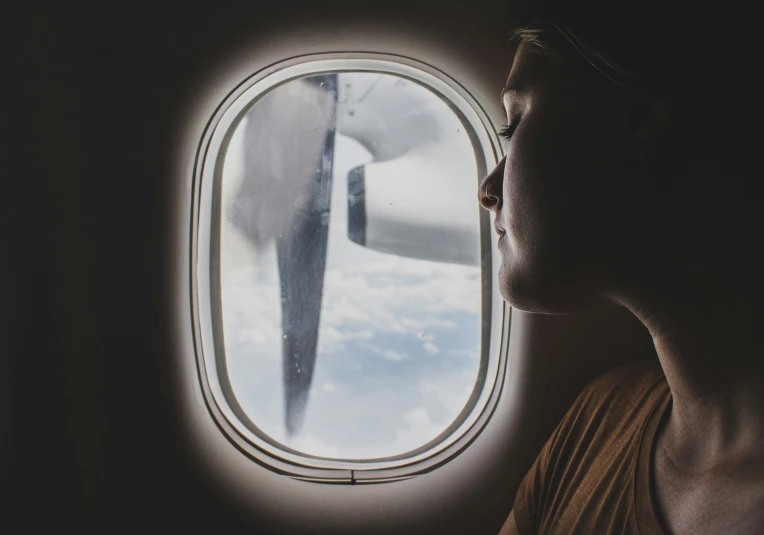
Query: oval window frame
[218, 395]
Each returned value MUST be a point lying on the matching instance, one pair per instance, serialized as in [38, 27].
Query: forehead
[531, 72]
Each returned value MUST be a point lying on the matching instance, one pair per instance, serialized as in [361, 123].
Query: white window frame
[218, 395]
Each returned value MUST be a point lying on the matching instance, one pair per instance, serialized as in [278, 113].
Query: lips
[500, 231]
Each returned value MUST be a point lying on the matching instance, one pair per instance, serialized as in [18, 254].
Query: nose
[490, 190]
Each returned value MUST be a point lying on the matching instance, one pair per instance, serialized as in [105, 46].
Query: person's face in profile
[561, 196]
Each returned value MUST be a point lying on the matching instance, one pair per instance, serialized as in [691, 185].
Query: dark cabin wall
[91, 438]
[93, 444]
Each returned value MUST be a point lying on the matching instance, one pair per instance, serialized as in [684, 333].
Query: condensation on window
[350, 265]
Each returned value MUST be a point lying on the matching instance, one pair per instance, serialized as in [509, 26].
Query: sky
[399, 338]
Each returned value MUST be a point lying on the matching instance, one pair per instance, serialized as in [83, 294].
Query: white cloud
[407, 307]
[395, 356]
[316, 446]
[431, 348]
[331, 339]
[386, 353]
[473, 353]
[417, 429]
[450, 393]
[417, 417]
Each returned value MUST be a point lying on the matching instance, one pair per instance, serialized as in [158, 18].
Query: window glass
[350, 276]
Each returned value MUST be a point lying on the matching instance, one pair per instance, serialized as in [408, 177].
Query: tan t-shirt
[593, 475]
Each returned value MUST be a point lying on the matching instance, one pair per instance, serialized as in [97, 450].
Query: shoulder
[630, 382]
[615, 399]
[607, 418]
[588, 462]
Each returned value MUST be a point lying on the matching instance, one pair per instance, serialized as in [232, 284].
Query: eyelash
[507, 130]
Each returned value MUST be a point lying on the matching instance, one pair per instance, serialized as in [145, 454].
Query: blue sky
[399, 339]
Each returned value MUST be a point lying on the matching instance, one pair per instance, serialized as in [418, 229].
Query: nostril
[488, 201]
[491, 186]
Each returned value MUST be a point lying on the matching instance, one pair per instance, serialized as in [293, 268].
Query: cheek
[536, 183]
[554, 184]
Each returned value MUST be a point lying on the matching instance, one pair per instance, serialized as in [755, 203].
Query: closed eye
[507, 130]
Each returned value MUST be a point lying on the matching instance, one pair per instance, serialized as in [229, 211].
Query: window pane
[350, 265]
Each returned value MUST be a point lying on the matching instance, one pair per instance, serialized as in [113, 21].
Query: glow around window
[345, 271]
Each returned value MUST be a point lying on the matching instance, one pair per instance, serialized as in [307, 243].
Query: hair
[551, 40]
[659, 52]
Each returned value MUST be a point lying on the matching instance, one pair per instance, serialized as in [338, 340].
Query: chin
[543, 291]
[521, 292]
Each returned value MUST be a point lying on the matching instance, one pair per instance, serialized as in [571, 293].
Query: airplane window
[346, 258]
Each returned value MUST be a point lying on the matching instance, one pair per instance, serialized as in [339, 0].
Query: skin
[604, 200]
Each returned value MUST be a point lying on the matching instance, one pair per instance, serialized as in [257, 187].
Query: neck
[711, 350]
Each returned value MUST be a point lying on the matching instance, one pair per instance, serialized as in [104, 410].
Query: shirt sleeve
[530, 494]
[534, 490]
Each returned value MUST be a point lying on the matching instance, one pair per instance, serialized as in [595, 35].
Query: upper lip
[500, 231]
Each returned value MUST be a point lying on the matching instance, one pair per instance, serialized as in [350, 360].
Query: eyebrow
[509, 89]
